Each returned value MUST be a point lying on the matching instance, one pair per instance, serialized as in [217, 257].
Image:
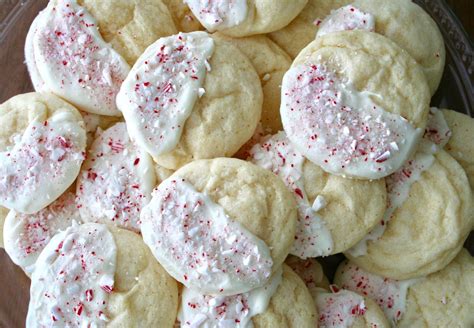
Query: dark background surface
[14, 285]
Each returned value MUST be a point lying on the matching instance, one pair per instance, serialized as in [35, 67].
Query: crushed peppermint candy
[217, 15]
[160, 92]
[341, 129]
[199, 245]
[339, 308]
[389, 294]
[116, 180]
[26, 235]
[42, 164]
[437, 132]
[277, 154]
[204, 311]
[73, 278]
[72, 60]
[346, 19]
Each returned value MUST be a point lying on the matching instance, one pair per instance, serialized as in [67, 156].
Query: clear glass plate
[456, 92]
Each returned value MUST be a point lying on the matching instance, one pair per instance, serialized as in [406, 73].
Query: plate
[456, 92]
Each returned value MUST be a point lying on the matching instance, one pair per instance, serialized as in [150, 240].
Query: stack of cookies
[187, 163]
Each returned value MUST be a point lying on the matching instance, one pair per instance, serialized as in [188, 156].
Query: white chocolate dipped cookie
[283, 302]
[441, 299]
[42, 147]
[116, 180]
[311, 272]
[460, 144]
[26, 235]
[131, 26]
[334, 213]
[302, 30]
[239, 18]
[429, 217]
[344, 308]
[220, 226]
[271, 63]
[364, 120]
[95, 124]
[93, 275]
[402, 21]
[66, 55]
[191, 96]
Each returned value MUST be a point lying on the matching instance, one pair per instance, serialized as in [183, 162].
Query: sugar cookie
[42, 144]
[116, 283]
[302, 30]
[95, 124]
[441, 201]
[66, 55]
[440, 299]
[26, 235]
[205, 104]
[271, 63]
[311, 272]
[183, 17]
[344, 308]
[130, 26]
[459, 145]
[365, 121]
[116, 180]
[240, 18]
[253, 218]
[334, 213]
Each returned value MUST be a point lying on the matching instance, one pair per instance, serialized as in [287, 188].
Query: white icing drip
[346, 18]
[66, 55]
[199, 245]
[204, 311]
[340, 129]
[437, 132]
[436, 136]
[72, 279]
[160, 92]
[117, 180]
[339, 309]
[219, 14]
[26, 235]
[275, 153]
[43, 164]
[389, 294]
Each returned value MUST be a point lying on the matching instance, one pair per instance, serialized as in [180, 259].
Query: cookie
[66, 55]
[261, 307]
[440, 299]
[26, 235]
[459, 145]
[131, 26]
[355, 135]
[183, 17]
[243, 18]
[311, 272]
[441, 201]
[271, 63]
[344, 308]
[334, 213]
[411, 28]
[211, 208]
[203, 108]
[117, 281]
[42, 144]
[302, 30]
[116, 180]
[95, 124]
